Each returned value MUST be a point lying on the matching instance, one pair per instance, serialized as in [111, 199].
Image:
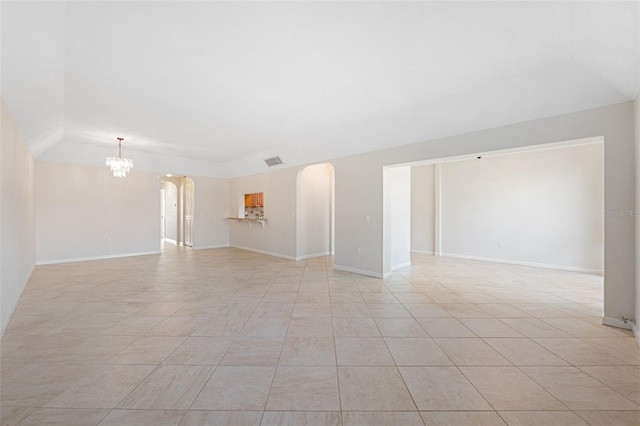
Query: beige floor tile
[273, 310]
[503, 310]
[489, 327]
[381, 418]
[400, 327]
[577, 390]
[445, 327]
[105, 387]
[355, 327]
[200, 351]
[533, 327]
[461, 418]
[579, 328]
[236, 388]
[466, 310]
[609, 418]
[303, 418]
[388, 310]
[253, 351]
[577, 352]
[625, 348]
[213, 327]
[133, 326]
[413, 298]
[35, 384]
[507, 388]
[349, 310]
[65, 417]
[143, 417]
[318, 295]
[232, 309]
[416, 351]
[377, 298]
[230, 418]
[265, 327]
[523, 351]
[347, 297]
[304, 389]
[308, 351]
[310, 327]
[427, 310]
[177, 326]
[13, 416]
[373, 388]
[147, 350]
[470, 351]
[169, 387]
[442, 388]
[625, 380]
[312, 310]
[363, 351]
[538, 418]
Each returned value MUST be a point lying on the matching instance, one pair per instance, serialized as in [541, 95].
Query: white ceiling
[223, 85]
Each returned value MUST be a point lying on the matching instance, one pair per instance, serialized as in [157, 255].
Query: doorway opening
[315, 224]
[177, 206]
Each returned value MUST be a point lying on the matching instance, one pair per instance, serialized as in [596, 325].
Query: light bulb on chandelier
[119, 166]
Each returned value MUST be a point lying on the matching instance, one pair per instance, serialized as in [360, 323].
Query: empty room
[319, 213]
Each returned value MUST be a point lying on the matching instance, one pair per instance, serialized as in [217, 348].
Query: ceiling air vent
[274, 161]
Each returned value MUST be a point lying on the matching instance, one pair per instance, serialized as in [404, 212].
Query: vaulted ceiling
[216, 87]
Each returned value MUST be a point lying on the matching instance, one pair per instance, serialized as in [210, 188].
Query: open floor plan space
[231, 337]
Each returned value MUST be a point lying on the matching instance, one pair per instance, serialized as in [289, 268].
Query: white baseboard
[361, 271]
[615, 322]
[400, 265]
[268, 253]
[83, 259]
[636, 333]
[169, 240]
[422, 252]
[522, 263]
[211, 247]
[309, 256]
[4, 326]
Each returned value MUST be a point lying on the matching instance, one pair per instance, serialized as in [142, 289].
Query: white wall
[314, 211]
[210, 228]
[546, 207]
[423, 209]
[85, 212]
[397, 220]
[170, 210]
[359, 189]
[278, 237]
[17, 215]
[636, 116]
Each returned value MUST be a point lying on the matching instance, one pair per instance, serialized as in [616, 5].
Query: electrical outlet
[500, 243]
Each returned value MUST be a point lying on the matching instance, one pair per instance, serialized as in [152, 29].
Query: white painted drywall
[17, 215]
[636, 117]
[314, 211]
[397, 200]
[210, 228]
[170, 210]
[278, 237]
[359, 189]
[546, 207]
[422, 209]
[86, 212]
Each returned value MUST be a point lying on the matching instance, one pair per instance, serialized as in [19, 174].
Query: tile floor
[229, 337]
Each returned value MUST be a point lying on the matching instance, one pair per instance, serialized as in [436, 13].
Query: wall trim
[361, 271]
[212, 247]
[309, 256]
[615, 322]
[400, 265]
[636, 333]
[15, 303]
[268, 253]
[83, 259]
[523, 263]
[423, 252]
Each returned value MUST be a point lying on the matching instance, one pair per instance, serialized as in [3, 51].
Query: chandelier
[119, 166]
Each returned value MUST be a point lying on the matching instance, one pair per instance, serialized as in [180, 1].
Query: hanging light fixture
[119, 166]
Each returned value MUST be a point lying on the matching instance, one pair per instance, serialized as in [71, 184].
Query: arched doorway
[315, 230]
[177, 197]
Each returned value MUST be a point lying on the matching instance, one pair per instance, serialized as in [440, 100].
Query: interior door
[188, 211]
[162, 207]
